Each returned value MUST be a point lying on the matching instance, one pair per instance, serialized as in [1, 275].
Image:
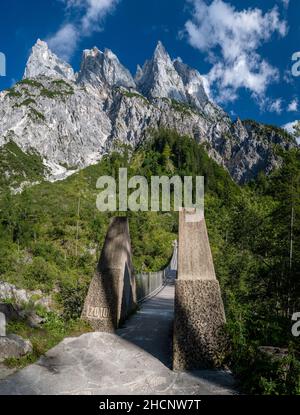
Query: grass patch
[36, 115]
[129, 94]
[12, 93]
[26, 103]
[53, 331]
[54, 94]
[181, 107]
[30, 82]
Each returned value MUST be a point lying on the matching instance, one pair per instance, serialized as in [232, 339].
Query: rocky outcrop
[60, 120]
[20, 296]
[42, 62]
[14, 312]
[14, 346]
[104, 68]
[194, 85]
[2, 324]
[159, 78]
[11, 345]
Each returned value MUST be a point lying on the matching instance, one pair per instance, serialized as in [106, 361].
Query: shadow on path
[151, 328]
[134, 361]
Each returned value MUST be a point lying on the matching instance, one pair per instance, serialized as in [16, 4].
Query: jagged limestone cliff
[71, 120]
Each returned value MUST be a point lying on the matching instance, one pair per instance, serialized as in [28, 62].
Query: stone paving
[135, 360]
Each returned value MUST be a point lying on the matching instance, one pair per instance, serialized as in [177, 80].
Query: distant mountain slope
[71, 120]
[18, 169]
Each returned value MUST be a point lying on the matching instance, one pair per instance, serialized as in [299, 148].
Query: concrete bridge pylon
[112, 292]
[199, 312]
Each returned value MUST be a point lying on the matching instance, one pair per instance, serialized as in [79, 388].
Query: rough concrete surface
[199, 339]
[135, 360]
[199, 309]
[112, 292]
[194, 255]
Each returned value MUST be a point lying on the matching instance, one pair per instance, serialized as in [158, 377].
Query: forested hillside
[51, 235]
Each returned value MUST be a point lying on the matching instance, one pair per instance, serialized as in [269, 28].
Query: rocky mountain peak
[43, 62]
[240, 129]
[91, 52]
[193, 82]
[159, 78]
[71, 127]
[161, 52]
[98, 68]
[186, 72]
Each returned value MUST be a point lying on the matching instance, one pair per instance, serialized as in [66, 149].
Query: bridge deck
[135, 360]
[151, 328]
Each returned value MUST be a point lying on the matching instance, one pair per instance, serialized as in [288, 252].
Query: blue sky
[243, 47]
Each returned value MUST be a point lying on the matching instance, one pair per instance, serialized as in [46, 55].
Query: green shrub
[264, 375]
[30, 82]
[72, 300]
[40, 274]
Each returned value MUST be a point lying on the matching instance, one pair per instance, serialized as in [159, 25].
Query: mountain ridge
[71, 119]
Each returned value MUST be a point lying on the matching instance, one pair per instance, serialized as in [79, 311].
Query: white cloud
[269, 104]
[206, 86]
[95, 12]
[289, 127]
[64, 41]
[231, 39]
[293, 105]
[92, 14]
[276, 106]
[286, 3]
